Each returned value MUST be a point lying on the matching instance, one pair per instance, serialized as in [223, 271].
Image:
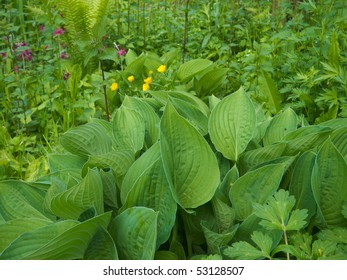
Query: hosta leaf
[269, 89]
[62, 240]
[300, 183]
[12, 229]
[216, 241]
[305, 138]
[232, 123]
[149, 117]
[191, 68]
[20, 200]
[62, 162]
[137, 168]
[101, 247]
[128, 129]
[210, 81]
[110, 189]
[255, 157]
[135, 232]
[71, 203]
[119, 161]
[189, 163]
[135, 66]
[279, 126]
[196, 118]
[255, 187]
[339, 139]
[87, 139]
[152, 190]
[329, 185]
[225, 215]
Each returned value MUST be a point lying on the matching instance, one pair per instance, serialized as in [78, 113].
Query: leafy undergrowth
[173, 178]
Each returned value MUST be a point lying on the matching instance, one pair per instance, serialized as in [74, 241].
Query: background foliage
[173, 129]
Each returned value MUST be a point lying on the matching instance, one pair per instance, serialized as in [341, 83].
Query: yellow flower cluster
[161, 68]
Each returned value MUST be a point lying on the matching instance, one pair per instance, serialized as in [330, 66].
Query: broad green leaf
[137, 168]
[300, 183]
[329, 186]
[277, 213]
[169, 57]
[87, 139]
[101, 247]
[225, 215]
[261, 155]
[306, 138]
[196, 118]
[110, 189]
[210, 81]
[59, 162]
[339, 139]
[152, 190]
[128, 129]
[135, 232]
[135, 66]
[71, 203]
[20, 200]
[191, 68]
[232, 123]
[255, 187]
[57, 241]
[242, 250]
[213, 101]
[12, 229]
[335, 123]
[130, 56]
[216, 241]
[269, 89]
[148, 115]
[119, 161]
[282, 124]
[189, 163]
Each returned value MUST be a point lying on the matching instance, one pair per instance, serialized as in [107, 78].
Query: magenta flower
[25, 55]
[58, 32]
[121, 52]
[42, 28]
[63, 55]
[4, 55]
[66, 76]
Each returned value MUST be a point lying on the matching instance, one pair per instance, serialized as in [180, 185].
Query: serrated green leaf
[135, 232]
[232, 123]
[189, 163]
[255, 187]
[128, 129]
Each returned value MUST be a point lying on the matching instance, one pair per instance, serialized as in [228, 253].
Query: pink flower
[4, 55]
[42, 28]
[121, 52]
[66, 76]
[58, 32]
[63, 55]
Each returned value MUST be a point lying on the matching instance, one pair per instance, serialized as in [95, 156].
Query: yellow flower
[131, 78]
[114, 86]
[145, 87]
[148, 80]
[150, 72]
[161, 68]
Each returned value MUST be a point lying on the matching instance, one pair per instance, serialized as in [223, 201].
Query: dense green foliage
[203, 130]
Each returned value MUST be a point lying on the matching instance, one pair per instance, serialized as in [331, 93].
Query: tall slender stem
[185, 30]
[105, 93]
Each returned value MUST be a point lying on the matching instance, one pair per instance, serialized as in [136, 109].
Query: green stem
[285, 239]
[185, 30]
[105, 93]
